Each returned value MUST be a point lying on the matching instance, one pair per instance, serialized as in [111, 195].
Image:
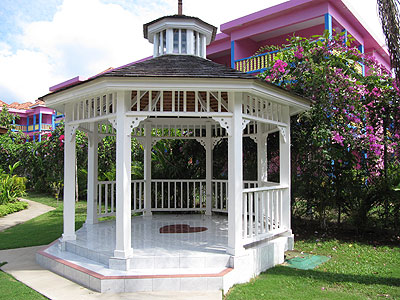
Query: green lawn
[355, 271]
[41, 230]
[12, 289]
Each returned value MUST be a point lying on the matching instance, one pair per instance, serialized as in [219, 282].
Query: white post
[203, 46]
[262, 161]
[190, 41]
[209, 169]
[235, 175]
[156, 40]
[92, 175]
[284, 159]
[123, 247]
[147, 169]
[170, 40]
[69, 178]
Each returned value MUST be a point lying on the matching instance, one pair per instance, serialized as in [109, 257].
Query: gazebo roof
[188, 66]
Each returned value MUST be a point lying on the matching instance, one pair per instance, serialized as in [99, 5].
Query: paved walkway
[34, 209]
[22, 265]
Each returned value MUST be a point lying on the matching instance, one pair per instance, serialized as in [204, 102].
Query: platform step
[170, 260]
[99, 278]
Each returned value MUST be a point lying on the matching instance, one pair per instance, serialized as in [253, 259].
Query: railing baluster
[175, 194]
[245, 214]
[256, 212]
[106, 198]
[100, 198]
[251, 214]
[169, 194]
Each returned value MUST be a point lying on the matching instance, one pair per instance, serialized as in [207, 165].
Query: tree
[389, 16]
[349, 139]
[7, 119]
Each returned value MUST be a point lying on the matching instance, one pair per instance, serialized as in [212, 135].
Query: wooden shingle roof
[187, 66]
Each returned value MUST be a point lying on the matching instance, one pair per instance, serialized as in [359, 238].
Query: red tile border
[102, 277]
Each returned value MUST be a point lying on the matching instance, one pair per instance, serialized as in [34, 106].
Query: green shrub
[11, 186]
[10, 208]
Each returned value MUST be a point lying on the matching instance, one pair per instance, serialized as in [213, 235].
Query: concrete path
[34, 209]
[22, 265]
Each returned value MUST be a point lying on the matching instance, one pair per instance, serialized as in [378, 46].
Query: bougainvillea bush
[345, 149]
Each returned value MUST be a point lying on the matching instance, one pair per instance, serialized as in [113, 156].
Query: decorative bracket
[215, 141]
[113, 122]
[244, 123]
[72, 132]
[202, 142]
[153, 142]
[254, 138]
[283, 132]
[135, 121]
[141, 141]
[225, 122]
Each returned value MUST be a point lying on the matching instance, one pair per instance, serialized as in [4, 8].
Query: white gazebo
[241, 228]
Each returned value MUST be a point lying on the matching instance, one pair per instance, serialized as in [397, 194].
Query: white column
[123, 247]
[170, 40]
[203, 46]
[92, 175]
[190, 42]
[284, 159]
[197, 44]
[156, 40]
[209, 169]
[235, 175]
[147, 169]
[262, 162]
[69, 178]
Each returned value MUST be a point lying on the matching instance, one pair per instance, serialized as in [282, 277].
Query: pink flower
[280, 66]
[337, 138]
[299, 53]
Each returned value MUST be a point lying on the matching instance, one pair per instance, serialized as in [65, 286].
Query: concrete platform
[189, 261]
[22, 265]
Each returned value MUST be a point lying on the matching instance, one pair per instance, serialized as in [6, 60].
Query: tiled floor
[147, 239]
[154, 252]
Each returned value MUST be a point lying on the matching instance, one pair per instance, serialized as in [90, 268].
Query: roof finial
[180, 7]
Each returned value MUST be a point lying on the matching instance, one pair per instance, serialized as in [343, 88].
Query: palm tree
[389, 15]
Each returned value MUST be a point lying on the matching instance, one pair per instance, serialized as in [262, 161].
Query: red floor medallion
[181, 228]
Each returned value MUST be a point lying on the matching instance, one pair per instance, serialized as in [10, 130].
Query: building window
[176, 41]
[183, 38]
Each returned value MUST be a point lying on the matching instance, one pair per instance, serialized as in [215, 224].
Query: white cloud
[86, 37]
[83, 38]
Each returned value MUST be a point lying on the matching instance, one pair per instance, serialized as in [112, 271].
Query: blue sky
[45, 42]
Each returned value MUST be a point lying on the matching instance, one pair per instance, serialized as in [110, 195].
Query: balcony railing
[32, 128]
[257, 63]
[261, 62]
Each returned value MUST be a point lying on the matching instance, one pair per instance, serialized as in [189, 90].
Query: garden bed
[9, 208]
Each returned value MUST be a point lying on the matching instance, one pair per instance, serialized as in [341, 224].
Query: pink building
[241, 38]
[35, 119]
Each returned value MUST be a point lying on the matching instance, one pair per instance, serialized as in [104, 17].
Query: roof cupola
[179, 34]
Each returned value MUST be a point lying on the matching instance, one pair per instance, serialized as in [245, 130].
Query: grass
[10, 288]
[356, 271]
[41, 230]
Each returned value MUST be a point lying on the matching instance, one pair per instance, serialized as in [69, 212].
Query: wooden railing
[257, 63]
[178, 195]
[263, 212]
[261, 62]
[106, 197]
